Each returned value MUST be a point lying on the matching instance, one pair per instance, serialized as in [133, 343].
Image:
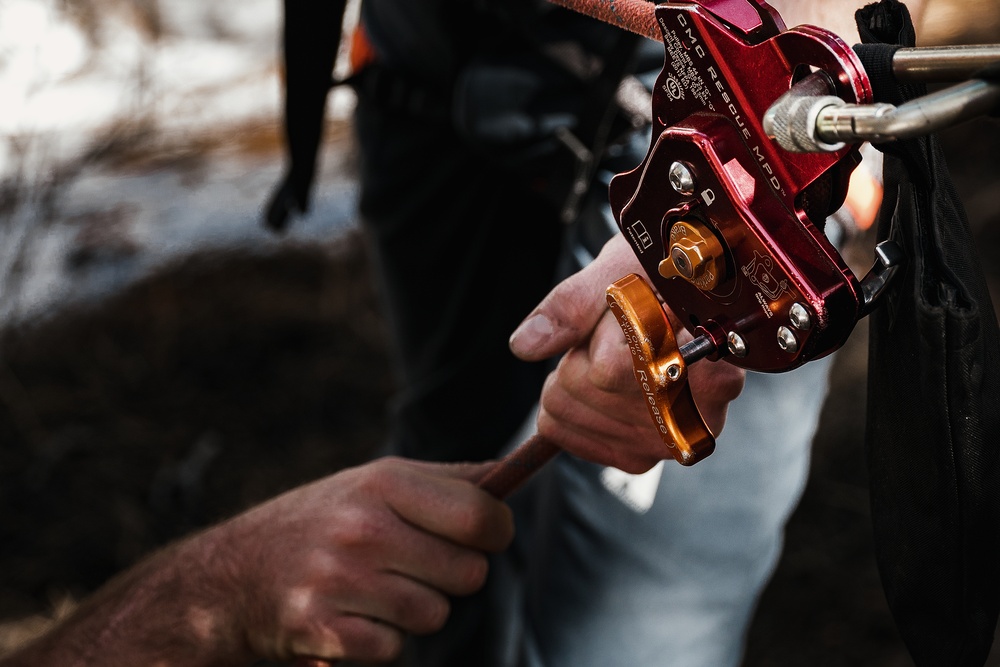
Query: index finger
[452, 508]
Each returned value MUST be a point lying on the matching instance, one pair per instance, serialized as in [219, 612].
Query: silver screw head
[681, 263]
[787, 340]
[681, 178]
[737, 346]
[800, 317]
[673, 372]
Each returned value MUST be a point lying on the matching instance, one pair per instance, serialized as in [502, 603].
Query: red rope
[513, 470]
[634, 15]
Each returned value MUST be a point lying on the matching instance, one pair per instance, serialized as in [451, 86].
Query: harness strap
[311, 39]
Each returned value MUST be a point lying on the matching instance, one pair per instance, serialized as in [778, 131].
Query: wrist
[211, 592]
[178, 607]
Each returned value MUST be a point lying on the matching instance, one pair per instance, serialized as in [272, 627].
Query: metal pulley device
[725, 222]
[726, 211]
[756, 130]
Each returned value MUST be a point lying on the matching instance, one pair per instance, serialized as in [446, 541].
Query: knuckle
[433, 615]
[607, 375]
[359, 530]
[734, 383]
[384, 476]
[554, 401]
[474, 520]
[492, 524]
[502, 530]
[384, 645]
[638, 464]
[611, 363]
[310, 635]
[419, 611]
[390, 647]
[297, 609]
[471, 575]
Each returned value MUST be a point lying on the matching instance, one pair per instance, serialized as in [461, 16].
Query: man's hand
[344, 567]
[591, 404]
[338, 569]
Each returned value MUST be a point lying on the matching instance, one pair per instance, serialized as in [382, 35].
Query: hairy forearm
[336, 569]
[175, 608]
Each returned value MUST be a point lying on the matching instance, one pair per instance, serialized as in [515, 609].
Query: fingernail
[533, 332]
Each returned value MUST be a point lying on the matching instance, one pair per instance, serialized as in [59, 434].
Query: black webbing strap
[933, 432]
[599, 114]
[311, 37]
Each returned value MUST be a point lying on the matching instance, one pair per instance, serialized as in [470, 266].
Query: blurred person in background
[471, 118]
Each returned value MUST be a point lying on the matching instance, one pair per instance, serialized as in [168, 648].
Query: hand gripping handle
[660, 369]
[501, 480]
[662, 374]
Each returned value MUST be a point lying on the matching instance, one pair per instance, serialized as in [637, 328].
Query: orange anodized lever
[661, 368]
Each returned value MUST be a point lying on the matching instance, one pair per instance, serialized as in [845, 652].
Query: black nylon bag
[933, 426]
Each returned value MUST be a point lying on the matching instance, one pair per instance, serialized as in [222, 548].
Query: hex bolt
[787, 340]
[682, 178]
[737, 346]
[800, 317]
[673, 372]
[681, 263]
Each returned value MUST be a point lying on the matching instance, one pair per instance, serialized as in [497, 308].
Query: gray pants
[628, 578]
[464, 248]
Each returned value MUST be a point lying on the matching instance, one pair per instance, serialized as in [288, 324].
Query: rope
[633, 15]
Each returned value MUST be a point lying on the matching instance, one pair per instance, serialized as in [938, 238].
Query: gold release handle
[660, 369]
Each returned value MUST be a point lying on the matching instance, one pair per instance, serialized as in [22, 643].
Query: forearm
[337, 569]
[175, 608]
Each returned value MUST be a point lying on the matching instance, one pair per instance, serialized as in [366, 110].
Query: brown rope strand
[634, 15]
[513, 470]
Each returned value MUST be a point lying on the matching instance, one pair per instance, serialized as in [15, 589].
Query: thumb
[569, 313]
